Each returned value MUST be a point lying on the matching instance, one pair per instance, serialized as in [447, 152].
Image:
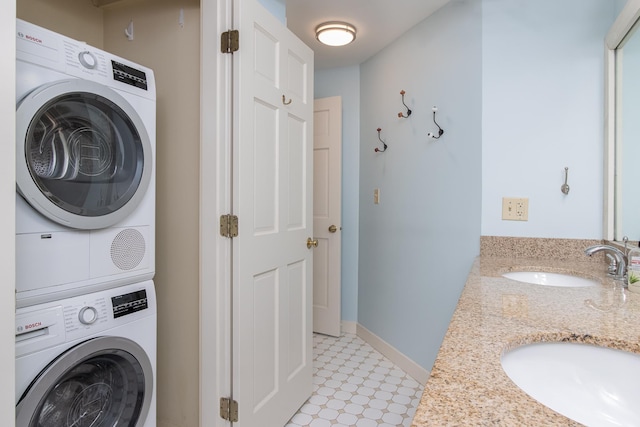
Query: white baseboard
[414, 370]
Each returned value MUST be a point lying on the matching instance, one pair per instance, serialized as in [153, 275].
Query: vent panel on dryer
[128, 249]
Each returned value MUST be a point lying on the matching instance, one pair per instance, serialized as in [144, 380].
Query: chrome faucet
[619, 257]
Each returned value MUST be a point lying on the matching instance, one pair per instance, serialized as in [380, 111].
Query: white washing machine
[85, 168]
[89, 360]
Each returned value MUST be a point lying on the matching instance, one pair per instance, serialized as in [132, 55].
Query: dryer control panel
[37, 45]
[129, 75]
[83, 60]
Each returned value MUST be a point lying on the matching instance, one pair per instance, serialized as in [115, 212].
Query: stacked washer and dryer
[85, 235]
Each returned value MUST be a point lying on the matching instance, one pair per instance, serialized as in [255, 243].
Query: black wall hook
[400, 114]
[384, 144]
[440, 130]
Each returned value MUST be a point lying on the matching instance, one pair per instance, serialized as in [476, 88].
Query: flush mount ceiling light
[335, 33]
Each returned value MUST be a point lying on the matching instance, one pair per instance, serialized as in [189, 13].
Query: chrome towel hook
[565, 186]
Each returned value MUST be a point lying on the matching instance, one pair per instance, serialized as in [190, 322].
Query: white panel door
[273, 197]
[327, 194]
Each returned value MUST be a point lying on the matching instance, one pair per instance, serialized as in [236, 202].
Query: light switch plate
[515, 208]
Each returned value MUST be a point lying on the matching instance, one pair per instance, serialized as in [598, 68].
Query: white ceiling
[378, 23]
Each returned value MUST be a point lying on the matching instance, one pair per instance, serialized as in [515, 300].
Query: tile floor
[354, 385]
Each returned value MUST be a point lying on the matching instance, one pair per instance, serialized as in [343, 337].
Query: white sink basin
[595, 386]
[550, 279]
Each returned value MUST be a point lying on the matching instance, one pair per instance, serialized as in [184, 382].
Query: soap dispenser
[633, 273]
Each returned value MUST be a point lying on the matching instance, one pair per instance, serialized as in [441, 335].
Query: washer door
[104, 381]
[83, 155]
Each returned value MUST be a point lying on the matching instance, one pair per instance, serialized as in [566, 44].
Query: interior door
[327, 194]
[273, 196]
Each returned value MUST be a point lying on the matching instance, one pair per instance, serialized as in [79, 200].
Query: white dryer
[85, 168]
[89, 360]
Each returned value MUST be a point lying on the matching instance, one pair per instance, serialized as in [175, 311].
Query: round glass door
[105, 381]
[83, 154]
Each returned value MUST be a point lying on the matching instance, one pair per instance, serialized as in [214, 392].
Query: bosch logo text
[30, 38]
[32, 325]
[33, 39]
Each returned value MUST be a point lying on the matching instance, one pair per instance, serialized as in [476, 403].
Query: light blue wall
[345, 82]
[277, 7]
[417, 245]
[519, 87]
[543, 109]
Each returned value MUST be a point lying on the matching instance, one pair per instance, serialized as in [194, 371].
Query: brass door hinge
[230, 41]
[229, 226]
[229, 409]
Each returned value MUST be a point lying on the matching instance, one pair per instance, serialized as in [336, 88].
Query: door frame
[215, 200]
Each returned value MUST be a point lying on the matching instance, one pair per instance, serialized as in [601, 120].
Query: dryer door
[104, 381]
[83, 155]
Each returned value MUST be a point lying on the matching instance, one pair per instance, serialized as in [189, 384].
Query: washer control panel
[129, 303]
[52, 323]
[86, 314]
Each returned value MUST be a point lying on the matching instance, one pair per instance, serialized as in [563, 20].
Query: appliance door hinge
[229, 409]
[230, 41]
[229, 225]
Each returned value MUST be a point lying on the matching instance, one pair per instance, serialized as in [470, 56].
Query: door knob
[333, 228]
[312, 242]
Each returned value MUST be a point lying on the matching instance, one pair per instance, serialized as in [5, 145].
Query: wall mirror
[622, 126]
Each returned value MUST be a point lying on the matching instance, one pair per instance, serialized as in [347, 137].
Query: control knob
[88, 315]
[88, 60]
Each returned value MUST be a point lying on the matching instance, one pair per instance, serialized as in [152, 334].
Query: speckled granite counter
[467, 386]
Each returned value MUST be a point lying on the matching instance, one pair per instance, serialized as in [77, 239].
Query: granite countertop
[467, 385]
